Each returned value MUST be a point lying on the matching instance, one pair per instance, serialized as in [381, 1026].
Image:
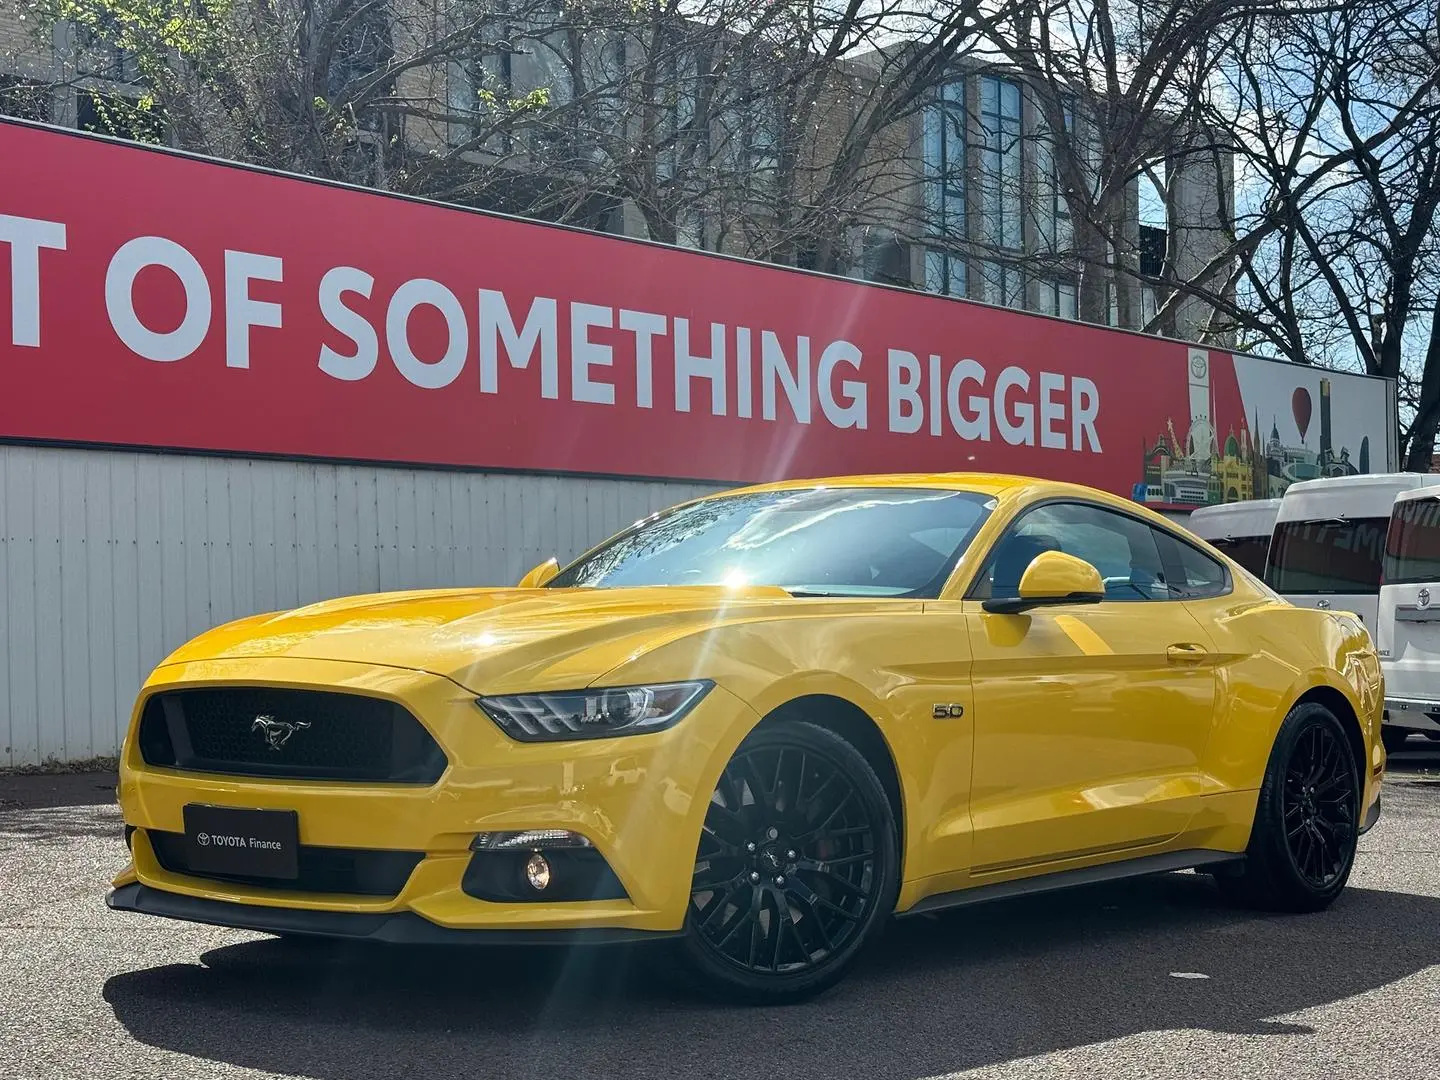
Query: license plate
[242, 843]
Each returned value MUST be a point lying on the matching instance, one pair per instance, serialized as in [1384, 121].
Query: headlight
[593, 714]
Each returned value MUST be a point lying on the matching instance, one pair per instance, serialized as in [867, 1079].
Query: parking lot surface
[1153, 978]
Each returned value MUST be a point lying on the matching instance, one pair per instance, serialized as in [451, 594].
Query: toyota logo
[277, 732]
[1422, 599]
[203, 839]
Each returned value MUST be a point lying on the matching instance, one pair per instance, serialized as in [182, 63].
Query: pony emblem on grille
[277, 732]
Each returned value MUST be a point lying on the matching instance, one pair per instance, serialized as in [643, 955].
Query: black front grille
[347, 871]
[288, 734]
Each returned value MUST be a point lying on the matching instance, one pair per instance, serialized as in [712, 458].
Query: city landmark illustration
[1201, 469]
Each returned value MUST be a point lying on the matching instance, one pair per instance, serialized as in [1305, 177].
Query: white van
[1239, 529]
[1329, 540]
[1407, 632]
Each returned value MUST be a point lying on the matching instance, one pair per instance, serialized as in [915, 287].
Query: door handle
[1185, 653]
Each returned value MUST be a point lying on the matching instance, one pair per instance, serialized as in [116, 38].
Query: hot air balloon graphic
[1300, 406]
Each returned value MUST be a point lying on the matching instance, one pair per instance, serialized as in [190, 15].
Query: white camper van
[1329, 540]
[1407, 631]
[1239, 529]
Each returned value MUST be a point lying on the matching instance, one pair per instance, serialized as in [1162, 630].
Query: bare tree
[1335, 118]
[321, 87]
[1120, 88]
[771, 130]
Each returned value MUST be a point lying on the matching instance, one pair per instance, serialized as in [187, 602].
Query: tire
[1394, 738]
[791, 888]
[1312, 782]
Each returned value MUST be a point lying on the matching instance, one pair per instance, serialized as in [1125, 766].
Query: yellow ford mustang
[760, 724]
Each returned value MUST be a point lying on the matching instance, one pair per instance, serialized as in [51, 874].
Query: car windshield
[819, 541]
[1339, 555]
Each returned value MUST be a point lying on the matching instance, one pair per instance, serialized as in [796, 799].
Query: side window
[1194, 574]
[1125, 551]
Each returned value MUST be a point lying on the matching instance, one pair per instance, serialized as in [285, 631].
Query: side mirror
[538, 577]
[1052, 578]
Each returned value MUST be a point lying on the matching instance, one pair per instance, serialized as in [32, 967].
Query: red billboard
[152, 299]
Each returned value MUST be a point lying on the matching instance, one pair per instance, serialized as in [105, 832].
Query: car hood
[489, 640]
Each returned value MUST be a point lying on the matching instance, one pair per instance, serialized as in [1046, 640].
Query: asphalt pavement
[1155, 978]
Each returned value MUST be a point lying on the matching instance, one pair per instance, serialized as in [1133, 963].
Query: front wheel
[797, 869]
[1302, 845]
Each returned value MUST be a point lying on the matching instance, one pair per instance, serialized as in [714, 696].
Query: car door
[1090, 720]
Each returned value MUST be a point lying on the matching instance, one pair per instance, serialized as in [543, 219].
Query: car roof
[1367, 495]
[1252, 517]
[989, 483]
[1426, 492]
[996, 484]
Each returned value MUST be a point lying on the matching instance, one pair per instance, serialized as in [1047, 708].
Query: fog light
[537, 871]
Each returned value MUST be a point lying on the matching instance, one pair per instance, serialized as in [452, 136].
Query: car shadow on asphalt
[21, 792]
[57, 808]
[982, 986]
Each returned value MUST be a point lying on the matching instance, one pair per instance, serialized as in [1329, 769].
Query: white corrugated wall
[110, 559]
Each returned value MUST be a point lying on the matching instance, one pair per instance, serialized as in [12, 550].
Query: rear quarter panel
[1271, 656]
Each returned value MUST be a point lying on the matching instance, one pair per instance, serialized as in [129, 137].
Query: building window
[602, 65]
[361, 53]
[1154, 208]
[480, 87]
[1057, 298]
[944, 161]
[946, 273]
[529, 57]
[690, 228]
[99, 54]
[762, 142]
[1052, 208]
[1148, 306]
[1002, 285]
[1000, 163]
[677, 141]
[107, 114]
[880, 256]
[549, 71]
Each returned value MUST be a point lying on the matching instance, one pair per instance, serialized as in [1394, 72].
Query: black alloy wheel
[1321, 818]
[796, 868]
[1303, 840]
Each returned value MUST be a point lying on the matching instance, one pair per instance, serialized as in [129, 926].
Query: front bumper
[390, 928]
[640, 800]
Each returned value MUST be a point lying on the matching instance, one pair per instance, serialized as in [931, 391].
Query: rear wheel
[1302, 845]
[797, 867]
